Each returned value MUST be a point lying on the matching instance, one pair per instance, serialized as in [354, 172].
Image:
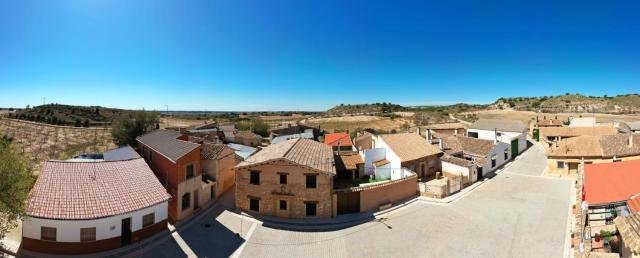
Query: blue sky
[311, 55]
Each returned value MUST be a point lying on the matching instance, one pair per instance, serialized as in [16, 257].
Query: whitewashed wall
[498, 152]
[370, 156]
[69, 230]
[390, 155]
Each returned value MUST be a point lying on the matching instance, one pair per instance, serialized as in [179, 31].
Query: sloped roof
[211, 151]
[469, 145]
[304, 152]
[577, 131]
[502, 125]
[611, 182]
[634, 204]
[338, 139]
[94, 189]
[581, 146]
[364, 141]
[629, 228]
[348, 161]
[281, 138]
[166, 143]
[618, 145]
[122, 153]
[243, 151]
[456, 161]
[409, 146]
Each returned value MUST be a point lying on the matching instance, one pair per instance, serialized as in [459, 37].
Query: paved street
[515, 214]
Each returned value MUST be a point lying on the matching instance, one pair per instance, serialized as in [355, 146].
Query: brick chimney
[418, 130]
[630, 141]
[495, 134]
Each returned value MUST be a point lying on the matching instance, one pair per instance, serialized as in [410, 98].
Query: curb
[331, 224]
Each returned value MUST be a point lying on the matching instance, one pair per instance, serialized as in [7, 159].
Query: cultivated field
[331, 124]
[526, 116]
[181, 122]
[41, 142]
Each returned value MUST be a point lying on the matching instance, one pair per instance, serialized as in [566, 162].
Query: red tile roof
[94, 189]
[634, 204]
[611, 182]
[338, 139]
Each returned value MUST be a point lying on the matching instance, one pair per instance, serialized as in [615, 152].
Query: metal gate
[348, 202]
[514, 148]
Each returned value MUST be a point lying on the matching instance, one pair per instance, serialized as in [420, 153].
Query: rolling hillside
[58, 114]
[621, 104]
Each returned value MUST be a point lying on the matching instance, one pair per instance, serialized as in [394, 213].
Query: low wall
[372, 197]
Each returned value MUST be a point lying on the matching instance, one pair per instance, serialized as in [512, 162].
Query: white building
[512, 132]
[87, 206]
[473, 158]
[392, 156]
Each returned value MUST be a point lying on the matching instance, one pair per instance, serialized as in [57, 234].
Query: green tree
[86, 123]
[78, 123]
[130, 125]
[16, 181]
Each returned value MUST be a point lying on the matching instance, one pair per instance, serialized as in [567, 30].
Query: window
[87, 234]
[283, 205]
[617, 160]
[283, 179]
[255, 178]
[254, 204]
[148, 220]
[186, 199]
[560, 164]
[311, 181]
[493, 162]
[310, 208]
[48, 233]
[506, 155]
[189, 170]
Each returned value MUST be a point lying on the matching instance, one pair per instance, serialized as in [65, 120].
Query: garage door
[348, 202]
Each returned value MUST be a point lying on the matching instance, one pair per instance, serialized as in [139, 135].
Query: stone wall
[295, 193]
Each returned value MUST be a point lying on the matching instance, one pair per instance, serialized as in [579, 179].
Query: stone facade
[270, 192]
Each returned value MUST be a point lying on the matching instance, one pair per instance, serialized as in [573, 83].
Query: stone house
[291, 179]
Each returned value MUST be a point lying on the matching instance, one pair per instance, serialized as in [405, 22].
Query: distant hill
[620, 104]
[364, 109]
[58, 114]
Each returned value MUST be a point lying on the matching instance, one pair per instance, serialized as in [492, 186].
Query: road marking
[183, 245]
[237, 253]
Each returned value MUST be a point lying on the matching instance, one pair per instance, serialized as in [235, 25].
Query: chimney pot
[630, 141]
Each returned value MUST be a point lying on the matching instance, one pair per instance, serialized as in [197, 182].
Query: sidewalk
[326, 224]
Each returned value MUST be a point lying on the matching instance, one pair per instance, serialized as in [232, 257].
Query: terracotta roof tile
[211, 151]
[577, 147]
[348, 161]
[94, 189]
[338, 139]
[618, 145]
[304, 152]
[409, 146]
[469, 145]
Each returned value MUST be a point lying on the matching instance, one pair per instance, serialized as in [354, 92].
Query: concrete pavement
[515, 214]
